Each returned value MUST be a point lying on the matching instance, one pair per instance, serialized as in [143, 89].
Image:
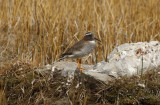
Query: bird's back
[79, 49]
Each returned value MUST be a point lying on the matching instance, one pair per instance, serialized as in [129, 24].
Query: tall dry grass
[38, 31]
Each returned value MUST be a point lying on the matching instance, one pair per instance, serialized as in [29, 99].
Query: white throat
[92, 42]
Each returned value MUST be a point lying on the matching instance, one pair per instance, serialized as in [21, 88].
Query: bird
[82, 48]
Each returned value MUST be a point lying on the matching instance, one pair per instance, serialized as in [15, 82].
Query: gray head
[90, 37]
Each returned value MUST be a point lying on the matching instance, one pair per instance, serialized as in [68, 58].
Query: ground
[21, 83]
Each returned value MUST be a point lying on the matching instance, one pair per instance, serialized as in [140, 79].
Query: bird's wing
[76, 47]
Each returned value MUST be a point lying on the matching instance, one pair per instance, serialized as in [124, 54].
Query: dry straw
[38, 31]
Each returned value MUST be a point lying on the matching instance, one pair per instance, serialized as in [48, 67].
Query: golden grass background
[39, 31]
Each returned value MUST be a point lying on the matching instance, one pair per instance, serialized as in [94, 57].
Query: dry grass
[39, 31]
[22, 84]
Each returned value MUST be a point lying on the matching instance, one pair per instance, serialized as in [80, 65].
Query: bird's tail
[62, 57]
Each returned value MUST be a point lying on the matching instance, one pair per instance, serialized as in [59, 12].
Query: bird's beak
[97, 39]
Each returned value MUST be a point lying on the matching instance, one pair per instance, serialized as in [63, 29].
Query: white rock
[124, 60]
[127, 58]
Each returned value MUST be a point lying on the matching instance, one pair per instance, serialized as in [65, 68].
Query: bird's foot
[82, 69]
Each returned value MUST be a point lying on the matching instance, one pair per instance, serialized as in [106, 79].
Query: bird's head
[90, 37]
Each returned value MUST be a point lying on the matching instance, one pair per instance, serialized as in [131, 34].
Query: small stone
[141, 85]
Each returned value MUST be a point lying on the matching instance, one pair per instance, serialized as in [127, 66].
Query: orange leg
[79, 65]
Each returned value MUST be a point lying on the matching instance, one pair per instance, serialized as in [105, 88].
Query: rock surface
[133, 58]
[125, 60]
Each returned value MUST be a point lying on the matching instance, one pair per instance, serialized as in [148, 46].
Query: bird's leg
[79, 65]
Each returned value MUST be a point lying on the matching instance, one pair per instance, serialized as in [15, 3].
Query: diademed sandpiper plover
[81, 48]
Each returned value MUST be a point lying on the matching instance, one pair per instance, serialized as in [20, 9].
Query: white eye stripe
[88, 34]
